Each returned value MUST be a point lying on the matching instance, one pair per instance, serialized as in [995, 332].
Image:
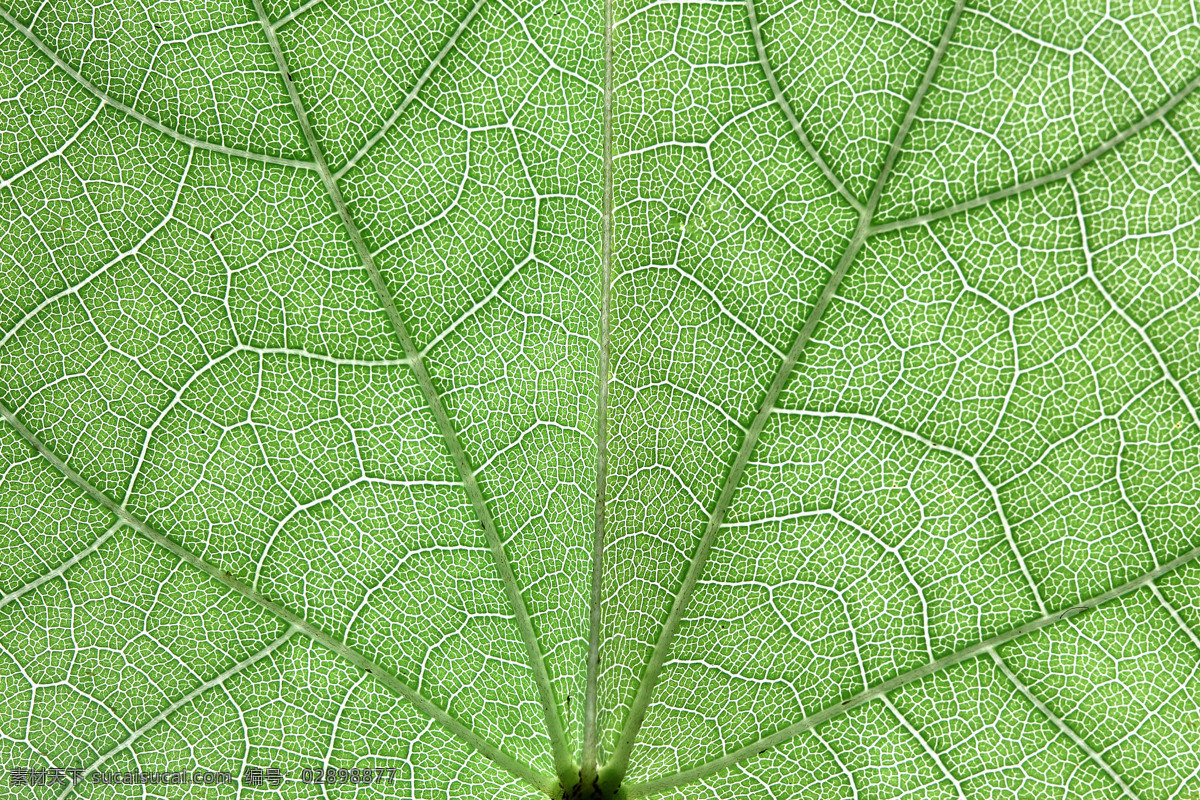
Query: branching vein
[412, 93]
[563, 760]
[420, 702]
[1050, 177]
[129, 111]
[903, 679]
[1057, 721]
[158, 718]
[782, 101]
[61, 569]
[619, 762]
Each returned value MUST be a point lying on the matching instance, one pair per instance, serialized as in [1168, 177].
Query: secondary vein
[129, 111]
[782, 101]
[1062, 726]
[1050, 177]
[564, 762]
[61, 569]
[158, 718]
[412, 93]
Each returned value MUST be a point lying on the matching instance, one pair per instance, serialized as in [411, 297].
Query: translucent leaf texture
[688, 398]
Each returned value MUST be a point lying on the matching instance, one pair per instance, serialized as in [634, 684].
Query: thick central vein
[618, 764]
[563, 761]
[588, 767]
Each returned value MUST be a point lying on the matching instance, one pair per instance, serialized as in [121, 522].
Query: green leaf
[693, 398]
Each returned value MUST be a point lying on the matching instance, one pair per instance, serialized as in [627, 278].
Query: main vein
[864, 231]
[616, 767]
[419, 701]
[588, 767]
[903, 679]
[564, 763]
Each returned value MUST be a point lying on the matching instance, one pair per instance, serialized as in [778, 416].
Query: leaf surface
[702, 398]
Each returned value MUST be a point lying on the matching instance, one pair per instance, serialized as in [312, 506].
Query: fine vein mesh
[993, 423]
